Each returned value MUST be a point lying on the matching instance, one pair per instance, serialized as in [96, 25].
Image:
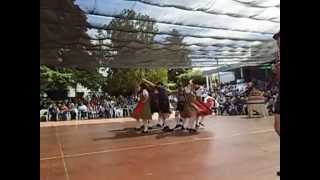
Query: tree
[60, 79]
[177, 50]
[125, 81]
[63, 38]
[175, 44]
[55, 79]
[128, 41]
[91, 80]
[195, 75]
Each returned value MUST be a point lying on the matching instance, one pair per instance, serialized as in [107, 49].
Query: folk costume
[164, 107]
[143, 110]
[190, 110]
[180, 104]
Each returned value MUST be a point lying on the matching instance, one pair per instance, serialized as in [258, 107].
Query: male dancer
[179, 109]
[154, 104]
[164, 106]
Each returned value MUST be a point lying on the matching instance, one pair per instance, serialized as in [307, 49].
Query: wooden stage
[228, 148]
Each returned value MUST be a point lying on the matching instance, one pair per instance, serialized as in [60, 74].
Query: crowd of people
[91, 108]
[228, 99]
[232, 98]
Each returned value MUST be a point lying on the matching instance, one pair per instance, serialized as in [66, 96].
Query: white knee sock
[201, 118]
[145, 123]
[139, 124]
[192, 122]
[186, 123]
[160, 120]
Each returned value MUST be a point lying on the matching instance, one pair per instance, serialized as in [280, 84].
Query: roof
[214, 33]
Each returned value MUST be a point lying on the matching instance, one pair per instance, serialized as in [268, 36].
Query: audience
[92, 108]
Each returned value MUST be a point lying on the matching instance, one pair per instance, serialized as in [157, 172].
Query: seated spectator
[64, 112]
[83, 110]
[73, 111]
[53, 112]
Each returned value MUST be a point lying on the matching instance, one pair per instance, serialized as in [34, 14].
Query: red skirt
[202, 108]
[137, 110]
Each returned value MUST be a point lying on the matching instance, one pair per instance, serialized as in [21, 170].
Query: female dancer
[190, 110]
[204, 109]
[143, 110]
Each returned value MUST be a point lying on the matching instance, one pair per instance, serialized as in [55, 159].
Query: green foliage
[63, 37]
[195, 75]
[172, 86]
[125, 81]
[173, 74]
[62, 78]
[90, 80]
[55, 79]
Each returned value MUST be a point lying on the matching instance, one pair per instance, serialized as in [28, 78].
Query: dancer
[190, 111]
[154, 104]
[143, 110]
[164, 106]
[181, 101]
[277, 104]
[205, 110]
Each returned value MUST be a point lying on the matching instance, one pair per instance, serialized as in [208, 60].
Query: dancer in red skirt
[189, 112]
[143, 110]
[205, 110]
[192, 108]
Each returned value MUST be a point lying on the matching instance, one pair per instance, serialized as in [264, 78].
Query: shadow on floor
[132, 133]
[177, 133]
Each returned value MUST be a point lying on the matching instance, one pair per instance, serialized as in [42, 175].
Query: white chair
[44, 113]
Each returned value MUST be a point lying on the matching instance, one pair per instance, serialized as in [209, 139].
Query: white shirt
[145, 93]
[199, 92]
[187, 89]
[83, 108]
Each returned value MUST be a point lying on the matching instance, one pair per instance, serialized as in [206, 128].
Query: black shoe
[278, 173]
[159, 125]
[166, 129]
[144, 132]
[139, 128]
[197, 126]
[178, 126]
[201, 124]
[150, 128]
[192, 130]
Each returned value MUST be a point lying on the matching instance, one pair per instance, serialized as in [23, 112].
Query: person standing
[181, 101]
[164, 106]
[202, 106]
[190, 111]
[154, 104]
[276, 69]
[143, 110]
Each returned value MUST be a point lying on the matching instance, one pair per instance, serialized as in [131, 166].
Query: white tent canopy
[218, 33]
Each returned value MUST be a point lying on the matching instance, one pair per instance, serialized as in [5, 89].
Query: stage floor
[228, 148]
